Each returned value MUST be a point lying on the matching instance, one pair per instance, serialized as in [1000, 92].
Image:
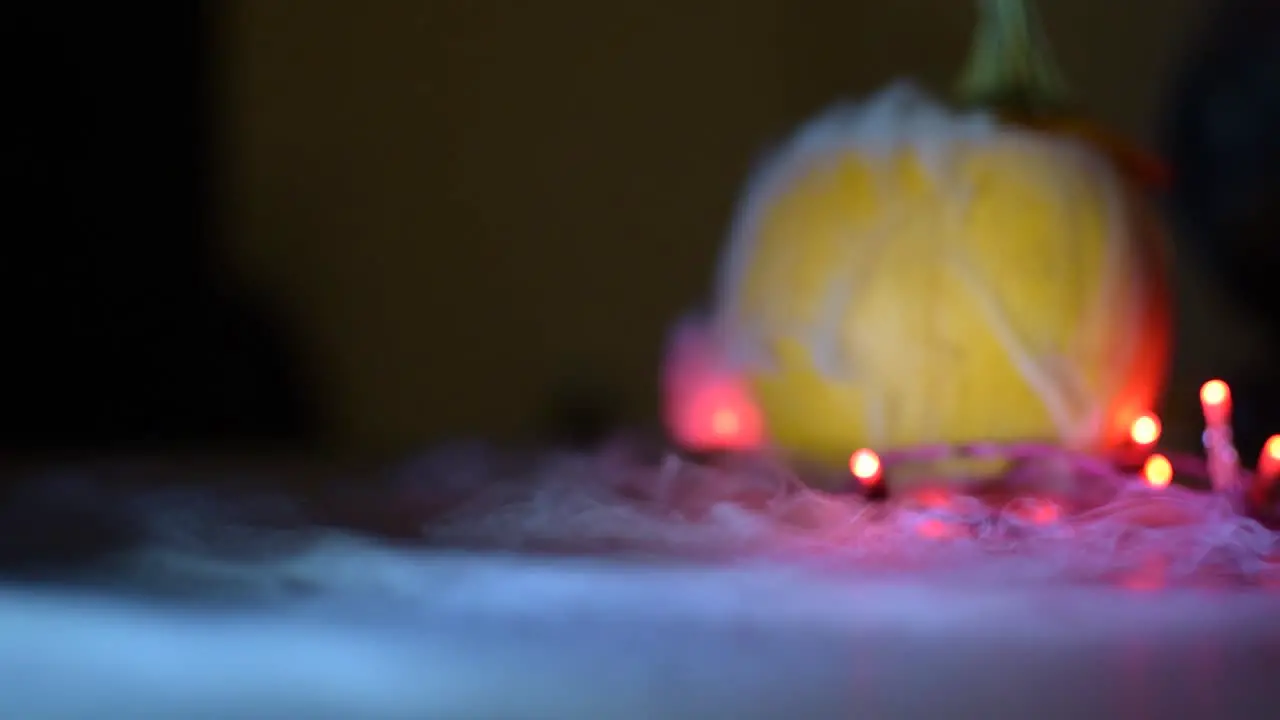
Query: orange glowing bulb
[1269, 461]
[1158, 471]
[1145, 430]
[865, 465]
[1214, 392]
[1215, 399]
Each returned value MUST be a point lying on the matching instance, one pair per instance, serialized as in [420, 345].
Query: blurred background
[360, 228]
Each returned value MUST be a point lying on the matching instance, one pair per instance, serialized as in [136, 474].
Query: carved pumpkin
[901, 272]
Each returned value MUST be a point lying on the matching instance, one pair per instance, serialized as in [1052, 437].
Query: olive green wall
[459, 202]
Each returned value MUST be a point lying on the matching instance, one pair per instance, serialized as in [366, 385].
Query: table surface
[354, 629]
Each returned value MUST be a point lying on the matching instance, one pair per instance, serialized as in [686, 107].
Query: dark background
[357, 228]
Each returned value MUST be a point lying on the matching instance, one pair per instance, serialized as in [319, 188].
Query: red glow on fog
[1150, 576]
[1040, 512]
[933, 498]
[725, 423]
[708, 406]
[935, 529]
[721, 416]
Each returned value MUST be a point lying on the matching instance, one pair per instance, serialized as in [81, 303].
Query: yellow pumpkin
[901, 272]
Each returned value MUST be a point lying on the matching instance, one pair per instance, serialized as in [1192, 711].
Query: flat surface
[351, 629]
[619, 589]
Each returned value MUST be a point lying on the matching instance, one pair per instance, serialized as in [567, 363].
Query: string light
[1145, 431]
[1268, 470]
[725, 417]
[1269, 461]
[866, 467]
[1215, 400]
[1158, 471]
[1219, 447]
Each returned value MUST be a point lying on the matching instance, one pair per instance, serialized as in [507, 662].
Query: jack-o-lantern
[901, 272]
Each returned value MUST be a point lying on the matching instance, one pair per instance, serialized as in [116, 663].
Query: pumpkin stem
[1010, 68]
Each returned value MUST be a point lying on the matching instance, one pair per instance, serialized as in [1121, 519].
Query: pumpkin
[905, 272]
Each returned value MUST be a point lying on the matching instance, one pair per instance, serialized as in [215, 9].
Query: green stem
[1010, 66]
